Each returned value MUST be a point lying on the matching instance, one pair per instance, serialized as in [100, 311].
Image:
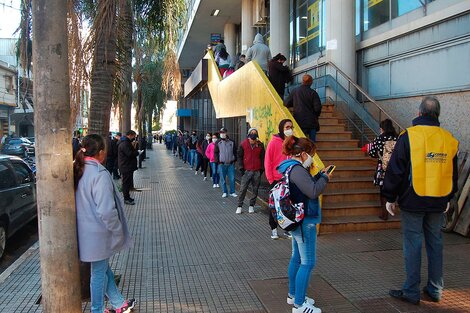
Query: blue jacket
[101, 223]
[305, 188]
[397, 180]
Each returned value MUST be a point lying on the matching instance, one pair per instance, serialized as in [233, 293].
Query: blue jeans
[414, 226]
[310, 133]
[193, 158]
[102, 283]
[215, 173]
[184, 150]
[303, 259]
[227, 170]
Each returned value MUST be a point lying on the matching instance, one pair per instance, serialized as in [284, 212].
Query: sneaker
[287, 234]
[306, 308]
[234, 195]
[307, 299]
[127, 307]
[129, 202]
[195, 173]
[239, 210]
[217, 185]
[251, 209]
[274, 234]
[204, 179]
[214, 186]
[224, 195]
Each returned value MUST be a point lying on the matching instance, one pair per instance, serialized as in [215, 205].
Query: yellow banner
[313, 15]
[374, 2]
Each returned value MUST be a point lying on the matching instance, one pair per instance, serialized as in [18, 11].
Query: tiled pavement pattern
[193, 254]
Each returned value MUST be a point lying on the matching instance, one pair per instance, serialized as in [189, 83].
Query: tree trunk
[127, 22]
[149, 129]
[103, 73]
[56, 210]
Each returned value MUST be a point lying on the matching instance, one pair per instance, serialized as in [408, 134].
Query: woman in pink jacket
[210, 156]
[273, 158]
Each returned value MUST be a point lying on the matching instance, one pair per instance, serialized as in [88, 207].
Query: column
[279, 27]
[340, 35]
[230, 38]
[248, 32]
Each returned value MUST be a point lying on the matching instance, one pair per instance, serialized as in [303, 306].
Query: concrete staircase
[351, 202]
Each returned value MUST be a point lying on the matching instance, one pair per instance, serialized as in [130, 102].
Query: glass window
[400, 7]
[22, 172]
[7, 180]
[309, 28]
[376, 12]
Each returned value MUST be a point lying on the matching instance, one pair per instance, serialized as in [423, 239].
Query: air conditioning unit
[260, 12]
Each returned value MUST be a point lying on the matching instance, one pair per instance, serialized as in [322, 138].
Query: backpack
[389, 146]
[288, 215]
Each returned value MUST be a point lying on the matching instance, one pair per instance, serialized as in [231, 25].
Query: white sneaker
[239, 210]
[217, 185]
[195, 173]
[274, 234]
[288, 234]
[204, 179]
[306, 308]
[307, 299]
[234, 195]
[214, 186]
[224, 195]
[251, 209]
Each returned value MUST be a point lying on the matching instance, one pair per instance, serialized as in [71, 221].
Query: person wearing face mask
[274, 156]
[192, 141]
[250, 161]
[213, 164]
[303, 189]
[127, 162]
[205, 159]
[225, 153]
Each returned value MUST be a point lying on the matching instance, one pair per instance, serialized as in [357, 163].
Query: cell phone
[330, 169]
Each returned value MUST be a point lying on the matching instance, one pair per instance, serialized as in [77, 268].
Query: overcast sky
[9, 18]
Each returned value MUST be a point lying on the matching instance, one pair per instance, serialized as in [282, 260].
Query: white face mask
[214, 140]
[307, 163]
[223, 136]
[288, 132]
[208, 137]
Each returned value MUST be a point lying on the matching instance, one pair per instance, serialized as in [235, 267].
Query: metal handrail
[351, 82]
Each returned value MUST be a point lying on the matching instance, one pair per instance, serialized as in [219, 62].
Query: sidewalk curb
[4, 276]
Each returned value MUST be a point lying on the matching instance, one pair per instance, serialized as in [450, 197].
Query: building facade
[395, 50]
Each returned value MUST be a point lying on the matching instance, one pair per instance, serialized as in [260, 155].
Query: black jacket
[127, 156]
[398, 183]
[279, 75]
[307, 107]
[112, 149]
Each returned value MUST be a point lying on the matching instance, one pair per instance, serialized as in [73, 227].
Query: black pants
[272, 221]
[127, 182]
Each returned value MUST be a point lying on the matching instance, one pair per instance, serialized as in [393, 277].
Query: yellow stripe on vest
[432, 151]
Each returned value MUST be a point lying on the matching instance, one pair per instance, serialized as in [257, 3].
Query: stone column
[279, 27]
[248, 32]
[340, 35]
[230, 38]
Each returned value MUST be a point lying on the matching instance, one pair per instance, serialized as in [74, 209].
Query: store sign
[374, 2]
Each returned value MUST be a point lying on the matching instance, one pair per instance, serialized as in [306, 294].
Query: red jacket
[250, 157]
[274, 157]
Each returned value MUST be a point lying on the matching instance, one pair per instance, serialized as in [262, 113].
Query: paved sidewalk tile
[192, 253]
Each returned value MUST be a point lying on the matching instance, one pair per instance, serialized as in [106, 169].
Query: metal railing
[361, 112]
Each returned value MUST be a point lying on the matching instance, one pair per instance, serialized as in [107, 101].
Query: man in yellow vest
[422, 177]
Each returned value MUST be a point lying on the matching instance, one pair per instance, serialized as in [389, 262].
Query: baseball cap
[223, 130]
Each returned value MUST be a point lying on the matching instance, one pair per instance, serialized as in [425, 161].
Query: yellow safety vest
[432, 151]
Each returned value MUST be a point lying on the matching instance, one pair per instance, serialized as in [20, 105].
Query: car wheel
[3, 239]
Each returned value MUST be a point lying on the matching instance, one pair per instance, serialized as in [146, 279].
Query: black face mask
[194, 134]
[133, 139]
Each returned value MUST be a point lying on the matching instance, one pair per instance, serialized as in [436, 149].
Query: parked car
[17, 197]
[21, 147]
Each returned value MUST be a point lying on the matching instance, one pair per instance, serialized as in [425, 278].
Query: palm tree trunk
[104, 70]
[127, 30]
[60, 276]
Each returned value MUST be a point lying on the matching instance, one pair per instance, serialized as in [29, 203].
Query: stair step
[349, 161]
[333, 196]
[339, 152]
[332, 128]
[354, 171]
[343, 183]
[357, 208]
[327, 114]
[357, 223]
[328, 121]
[336, 143]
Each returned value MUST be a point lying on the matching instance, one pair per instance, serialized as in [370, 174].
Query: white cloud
[9, 18]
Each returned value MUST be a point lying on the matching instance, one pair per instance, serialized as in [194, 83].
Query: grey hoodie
[259, 52]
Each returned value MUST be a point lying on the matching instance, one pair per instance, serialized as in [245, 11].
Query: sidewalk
[192, 253]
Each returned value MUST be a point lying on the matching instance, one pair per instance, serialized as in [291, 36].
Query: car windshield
[15, 142]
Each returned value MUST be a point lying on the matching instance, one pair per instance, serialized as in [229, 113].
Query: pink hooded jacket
[273, 158]
[210, 152]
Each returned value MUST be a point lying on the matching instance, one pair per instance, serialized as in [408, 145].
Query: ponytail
[91, 146]
[294, 146]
